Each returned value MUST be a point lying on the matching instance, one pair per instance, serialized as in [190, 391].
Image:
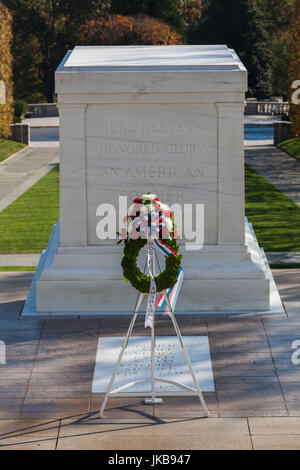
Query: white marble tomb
[165, 119]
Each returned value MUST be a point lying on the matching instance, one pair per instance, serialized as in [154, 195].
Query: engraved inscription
[117, 129]
[150, 172]
[148, 127]
[167, 149]
[169, 196]
[150, 149]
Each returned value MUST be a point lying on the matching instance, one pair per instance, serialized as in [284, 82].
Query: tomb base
[85, 281]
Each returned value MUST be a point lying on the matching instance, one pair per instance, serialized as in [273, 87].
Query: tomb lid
[105, 58]
[141, 61]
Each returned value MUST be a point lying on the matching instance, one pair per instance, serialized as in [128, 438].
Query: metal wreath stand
[153, 400]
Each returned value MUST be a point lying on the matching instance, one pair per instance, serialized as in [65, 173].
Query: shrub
[240, 25]
[6, 110]
[128, 30]
[21, 108]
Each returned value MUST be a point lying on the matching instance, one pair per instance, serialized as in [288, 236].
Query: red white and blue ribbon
[172, 294]
[150, 311]
[166, 249]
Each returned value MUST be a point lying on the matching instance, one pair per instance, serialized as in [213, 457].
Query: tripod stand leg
[202, 401]
[136, 310]
[153, 400]
[153, 361]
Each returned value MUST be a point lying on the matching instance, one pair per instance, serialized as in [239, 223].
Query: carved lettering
[166, 172]
[129, 149]
[149, 149]
[169, 196]
[148, 127]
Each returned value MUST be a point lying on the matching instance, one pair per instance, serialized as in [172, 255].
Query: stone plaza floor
[46, 399]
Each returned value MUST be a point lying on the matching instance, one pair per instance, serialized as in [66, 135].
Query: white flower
[143, 210]
[169, 224]
[130, 227]
[149, 197]
[133, 209]
[164, 207]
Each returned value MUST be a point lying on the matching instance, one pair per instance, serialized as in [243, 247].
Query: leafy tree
[276, 16]
[129, 7]
[294, 67]
[240, 25]
[166, 10]
[128, 30]
[190, 11]
[43, 31]
[6, 110]
[280, 50]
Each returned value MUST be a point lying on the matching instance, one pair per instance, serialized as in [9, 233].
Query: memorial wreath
[149, 220]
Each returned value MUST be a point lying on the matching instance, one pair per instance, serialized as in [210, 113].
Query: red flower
[138, 200]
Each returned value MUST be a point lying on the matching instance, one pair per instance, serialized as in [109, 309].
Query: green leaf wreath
[137, 225]
[166, 279]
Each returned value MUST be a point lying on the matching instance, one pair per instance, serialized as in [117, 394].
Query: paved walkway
[46, 399]
[19, 172]
[283, 257]
[276, 166]
[24, 259]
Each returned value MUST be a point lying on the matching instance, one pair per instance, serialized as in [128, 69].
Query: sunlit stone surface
[164, 119]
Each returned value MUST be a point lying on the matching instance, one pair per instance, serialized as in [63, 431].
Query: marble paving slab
[170, 364]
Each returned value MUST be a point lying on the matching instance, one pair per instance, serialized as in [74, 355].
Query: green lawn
[8, 148]
[26, 224]
[275, 218]
[17, 268]
[285, 266]
[291, 146]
